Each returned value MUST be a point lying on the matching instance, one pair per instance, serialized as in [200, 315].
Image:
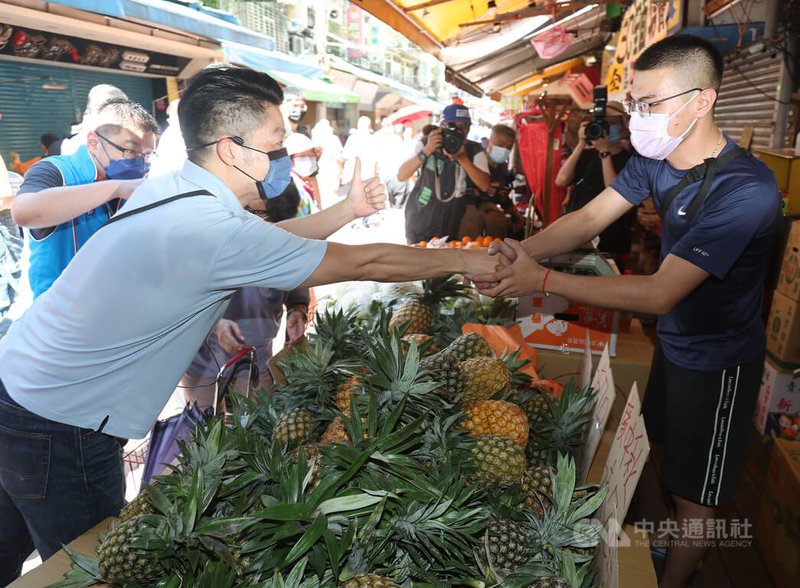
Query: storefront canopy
[318, 90]
[488, 49]
[198, 21]
[267, 60]
[412, 95]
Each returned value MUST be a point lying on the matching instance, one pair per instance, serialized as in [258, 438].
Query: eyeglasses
[273, 155]
[644, 108]
[127, 153]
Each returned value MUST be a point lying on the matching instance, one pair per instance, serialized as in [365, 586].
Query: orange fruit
[466, 239]
[452, 244]
[423, 244]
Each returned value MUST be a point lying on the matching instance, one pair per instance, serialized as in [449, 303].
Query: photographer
[591, 168]
[497, 215]
[450, 172]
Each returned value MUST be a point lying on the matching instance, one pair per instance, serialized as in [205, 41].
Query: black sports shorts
[701, 418]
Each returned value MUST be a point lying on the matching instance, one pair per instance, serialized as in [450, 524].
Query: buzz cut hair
[694, 61]
[505, 131]
[123, 113]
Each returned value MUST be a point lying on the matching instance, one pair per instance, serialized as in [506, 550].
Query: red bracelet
[544, 283]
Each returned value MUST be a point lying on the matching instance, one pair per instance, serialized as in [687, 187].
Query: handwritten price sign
[603, 382]
[623, 469]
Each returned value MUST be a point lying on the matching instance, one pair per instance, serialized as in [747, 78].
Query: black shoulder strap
[705, 171]
[128, 213]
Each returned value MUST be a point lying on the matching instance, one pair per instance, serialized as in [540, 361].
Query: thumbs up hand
[365, 197]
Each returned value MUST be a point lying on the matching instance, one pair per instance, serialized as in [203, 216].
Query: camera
[452, 138]
[598, 125]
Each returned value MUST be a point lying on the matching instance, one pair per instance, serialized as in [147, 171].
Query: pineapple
[446, 369]
[370, 581]
[538, 409]
[140, 505]
[419, 310]
[425, 343]
[119, 564]
[335, 433]
[499, 460]
[468, 346]
[496, 417]
[346, 389]
[506, 545]
[564, 429]
[293, 425]
[536, 487]
[483, 378]
[313, 460]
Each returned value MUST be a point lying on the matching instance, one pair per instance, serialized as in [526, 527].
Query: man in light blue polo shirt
[97, 355]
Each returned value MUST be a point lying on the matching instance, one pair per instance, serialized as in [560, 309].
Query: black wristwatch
[422, 157]
[604, 154]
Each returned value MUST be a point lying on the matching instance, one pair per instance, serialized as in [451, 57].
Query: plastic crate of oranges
[465, 243]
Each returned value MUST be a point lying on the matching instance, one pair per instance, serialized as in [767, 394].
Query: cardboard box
[783, 164]
[780, 392]
[553, 322]
[778, 529]
[781, 425]
[631, 364]
[783, 330]
[789, 278]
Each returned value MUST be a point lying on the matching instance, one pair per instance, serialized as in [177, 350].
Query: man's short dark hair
[505, 131]
[222, 102]
[121, 112]
[49, 138]
[293, 93]
[693, 59]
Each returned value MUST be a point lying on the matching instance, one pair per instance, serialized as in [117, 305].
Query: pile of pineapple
[398, 453]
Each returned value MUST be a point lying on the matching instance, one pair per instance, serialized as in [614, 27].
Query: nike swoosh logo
[681, 211]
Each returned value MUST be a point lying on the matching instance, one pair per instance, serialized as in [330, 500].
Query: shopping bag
[163, 447]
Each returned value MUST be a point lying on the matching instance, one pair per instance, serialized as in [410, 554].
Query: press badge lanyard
[705, 171]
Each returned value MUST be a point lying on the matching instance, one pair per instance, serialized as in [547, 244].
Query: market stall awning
[315, 89]
[176, 16]
[486, 44]
[411, 94]
[264, 60]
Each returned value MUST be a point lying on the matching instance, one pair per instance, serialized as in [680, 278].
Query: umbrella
[406, 114]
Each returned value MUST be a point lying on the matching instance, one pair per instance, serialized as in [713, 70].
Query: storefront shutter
[27, 110]
[748, 96]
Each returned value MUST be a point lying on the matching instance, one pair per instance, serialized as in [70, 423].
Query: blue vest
[49, 256]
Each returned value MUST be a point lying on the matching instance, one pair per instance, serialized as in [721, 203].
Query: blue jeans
[56, 482]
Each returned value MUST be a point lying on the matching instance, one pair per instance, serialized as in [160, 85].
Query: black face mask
[297, 113]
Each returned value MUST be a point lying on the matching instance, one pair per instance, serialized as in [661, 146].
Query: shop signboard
[56, 48]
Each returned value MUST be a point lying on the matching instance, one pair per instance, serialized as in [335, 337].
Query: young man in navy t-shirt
[716, 237]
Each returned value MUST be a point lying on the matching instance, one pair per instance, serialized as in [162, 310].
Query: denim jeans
[56, 482]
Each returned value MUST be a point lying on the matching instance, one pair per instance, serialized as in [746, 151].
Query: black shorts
[702, 419]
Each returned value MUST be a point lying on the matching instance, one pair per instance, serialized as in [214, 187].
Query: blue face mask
[124, 169]
[614, 133]
[278, 176]
[499, 154]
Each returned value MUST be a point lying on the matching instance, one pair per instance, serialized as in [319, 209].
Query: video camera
[598, 125]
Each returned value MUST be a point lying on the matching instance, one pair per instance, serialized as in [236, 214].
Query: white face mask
[305, 166]
[650, 136]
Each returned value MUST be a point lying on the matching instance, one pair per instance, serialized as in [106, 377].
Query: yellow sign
[644, 23]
